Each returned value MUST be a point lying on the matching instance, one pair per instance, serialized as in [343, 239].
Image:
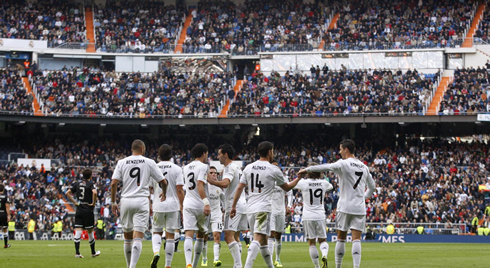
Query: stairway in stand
[89, 23]
[36, 106]
[468, 42]
[441, 89]
[183, 33]
[224, 111]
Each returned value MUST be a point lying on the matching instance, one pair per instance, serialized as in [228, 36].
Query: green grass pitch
[61, 254]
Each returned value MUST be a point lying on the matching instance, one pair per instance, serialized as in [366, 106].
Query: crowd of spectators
[54, 21]
[255, 26]
[140, 26]
[424, 181]
[335, 93]
[13, 95]
[384, 24]
[91, 92]
[468, 93]
[483, 30]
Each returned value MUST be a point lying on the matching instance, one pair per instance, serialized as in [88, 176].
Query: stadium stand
[341, 92]
[140, 95]
[13, 97]
[256, 26]
[57, 21]
[467, 94]
[392, 25]
[138, 27]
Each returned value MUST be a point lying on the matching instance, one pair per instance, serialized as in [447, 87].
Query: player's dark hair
[165, 152]
[349, 144]
[314, 175]
[213, 167]
[227, 149]
[87, 174]
[264, 148]
[274, 162]
[2, 187]
[198, 150]
[138, 145]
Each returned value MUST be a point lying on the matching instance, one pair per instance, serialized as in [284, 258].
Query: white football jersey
[278, 202]
[135, 172]
[353, 177]
[234, 173]
[174, 176]
[194, 172]
[216, 196]
[313, 191]
[261, 177]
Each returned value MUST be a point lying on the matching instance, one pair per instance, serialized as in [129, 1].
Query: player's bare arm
[7, 207]
[115, 208]
[163, 184]
[222, 184]
[288, 186]
[238, 193]
[70, 196]
[202, 194]
[180, 195]
[94, 197]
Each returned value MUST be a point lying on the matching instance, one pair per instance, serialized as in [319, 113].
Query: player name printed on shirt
[136, 173]
[261, 177]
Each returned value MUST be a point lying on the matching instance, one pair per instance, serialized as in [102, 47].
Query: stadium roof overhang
[242, 120]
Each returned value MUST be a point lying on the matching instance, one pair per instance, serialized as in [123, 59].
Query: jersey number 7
[359, 174]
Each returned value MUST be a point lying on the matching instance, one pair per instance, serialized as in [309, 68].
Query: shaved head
[138, 146]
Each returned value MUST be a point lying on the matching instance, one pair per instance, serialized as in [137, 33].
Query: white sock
[197, 251]
[356, 253]
[324, 249]
[205, 250]
[156, 242]
[270, 244]
[128, 244]
[240, 247]
[235, 253]
[135, 252]
[314, 256]
[188, 250]
[278, 247]
[216, 250]
[339, 253]
[169, 252]
[266, 254]
[253, 251]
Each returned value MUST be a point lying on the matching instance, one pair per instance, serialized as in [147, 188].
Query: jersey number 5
[359, 174]
[135, 173]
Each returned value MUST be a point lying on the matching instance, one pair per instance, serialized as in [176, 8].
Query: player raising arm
[261, 177]
[313, 189]
[351, 208]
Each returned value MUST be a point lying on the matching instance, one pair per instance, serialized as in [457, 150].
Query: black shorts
[84, 219]
[3, 220]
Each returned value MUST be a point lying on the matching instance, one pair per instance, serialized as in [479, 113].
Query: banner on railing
[20, 43]
[483, 117]
[402, 238]
[34, 162]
